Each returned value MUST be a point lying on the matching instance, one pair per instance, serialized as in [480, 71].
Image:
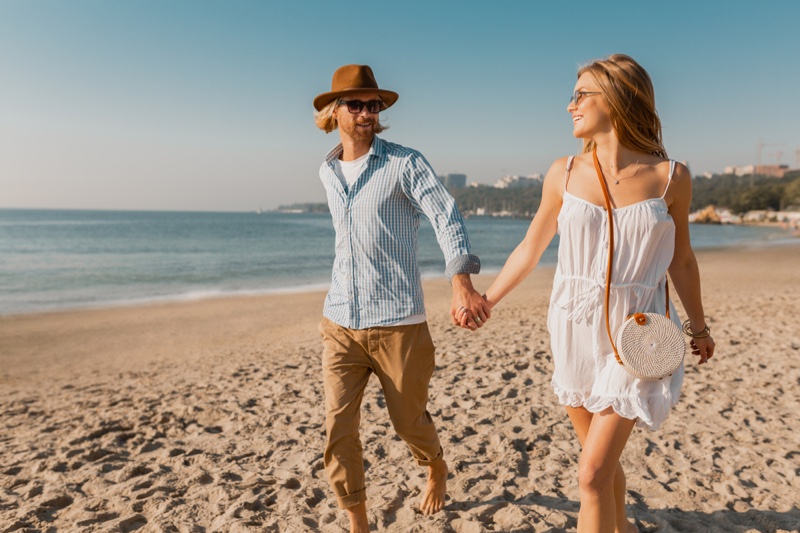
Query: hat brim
[388, 97]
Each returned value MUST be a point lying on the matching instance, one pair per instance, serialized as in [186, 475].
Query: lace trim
[649, 412]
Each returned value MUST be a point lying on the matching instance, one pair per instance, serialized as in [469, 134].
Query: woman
[613, 111]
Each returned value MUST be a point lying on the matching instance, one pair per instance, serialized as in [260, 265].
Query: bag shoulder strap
[610, 212]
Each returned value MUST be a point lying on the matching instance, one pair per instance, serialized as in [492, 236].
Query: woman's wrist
[694, 331]
[491, 302]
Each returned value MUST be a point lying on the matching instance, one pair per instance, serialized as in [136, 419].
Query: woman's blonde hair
[327, 122]
[629, 93]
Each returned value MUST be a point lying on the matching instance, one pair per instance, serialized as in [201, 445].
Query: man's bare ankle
[358, 518]
[437, 468]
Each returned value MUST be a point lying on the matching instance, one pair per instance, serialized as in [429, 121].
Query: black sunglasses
[356, 106]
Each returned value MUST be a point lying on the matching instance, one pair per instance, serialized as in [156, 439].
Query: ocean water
[52, 259]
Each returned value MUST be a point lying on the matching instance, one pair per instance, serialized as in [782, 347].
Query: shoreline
[215, 294]
[59, 336]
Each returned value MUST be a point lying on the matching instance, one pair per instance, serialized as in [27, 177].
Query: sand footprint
[132, 523]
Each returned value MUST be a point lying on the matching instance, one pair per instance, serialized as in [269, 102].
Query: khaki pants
[403, 359]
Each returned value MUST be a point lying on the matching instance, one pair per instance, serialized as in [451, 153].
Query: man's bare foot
[435, 490]
[358, 518]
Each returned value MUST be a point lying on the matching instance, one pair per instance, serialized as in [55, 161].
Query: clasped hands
[472, 318]
[469, 309]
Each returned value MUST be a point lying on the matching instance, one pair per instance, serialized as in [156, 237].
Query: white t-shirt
[349, 171]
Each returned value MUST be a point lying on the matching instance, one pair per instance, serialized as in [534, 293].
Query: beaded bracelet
[687, 329]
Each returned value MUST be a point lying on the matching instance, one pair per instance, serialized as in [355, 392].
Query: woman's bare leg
[601, 479]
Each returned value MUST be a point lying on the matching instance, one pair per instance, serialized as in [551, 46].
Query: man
[374, 316]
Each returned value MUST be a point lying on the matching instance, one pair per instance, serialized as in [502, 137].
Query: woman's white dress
[586, 371]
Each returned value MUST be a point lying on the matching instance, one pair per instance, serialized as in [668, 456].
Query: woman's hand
[703, 347]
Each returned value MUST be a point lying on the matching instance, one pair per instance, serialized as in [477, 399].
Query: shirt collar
[377, 149]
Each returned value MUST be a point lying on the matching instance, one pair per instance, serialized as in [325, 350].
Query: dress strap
[569, 167]
[669, 178]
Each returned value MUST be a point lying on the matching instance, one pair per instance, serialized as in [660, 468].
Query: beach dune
[208, 416]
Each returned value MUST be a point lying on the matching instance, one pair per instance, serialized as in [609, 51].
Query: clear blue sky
[206, 105]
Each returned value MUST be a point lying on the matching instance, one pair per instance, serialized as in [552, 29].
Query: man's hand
[469, 309]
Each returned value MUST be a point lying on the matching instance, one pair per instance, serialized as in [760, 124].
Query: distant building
[740, 171]
[518, 182]
[776, 171]
[455, 181]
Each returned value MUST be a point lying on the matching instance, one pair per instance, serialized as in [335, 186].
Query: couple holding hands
[374, 315]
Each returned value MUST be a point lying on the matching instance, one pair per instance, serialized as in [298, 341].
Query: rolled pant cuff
[427, 462]
[350, 500]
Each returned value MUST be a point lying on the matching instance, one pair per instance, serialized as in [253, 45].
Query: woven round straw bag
[650, 346]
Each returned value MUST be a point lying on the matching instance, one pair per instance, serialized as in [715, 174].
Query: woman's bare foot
[435, 490]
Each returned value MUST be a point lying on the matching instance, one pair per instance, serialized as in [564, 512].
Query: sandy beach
[207, 416]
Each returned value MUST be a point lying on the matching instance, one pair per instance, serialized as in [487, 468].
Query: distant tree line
[305, 208]
[522, 202]
[740, 194]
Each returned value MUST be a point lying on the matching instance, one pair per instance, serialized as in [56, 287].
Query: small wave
[190, 296]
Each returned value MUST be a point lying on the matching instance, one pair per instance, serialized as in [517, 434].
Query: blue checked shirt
[376, 278]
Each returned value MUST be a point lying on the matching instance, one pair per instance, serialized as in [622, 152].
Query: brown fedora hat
[353, 79]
